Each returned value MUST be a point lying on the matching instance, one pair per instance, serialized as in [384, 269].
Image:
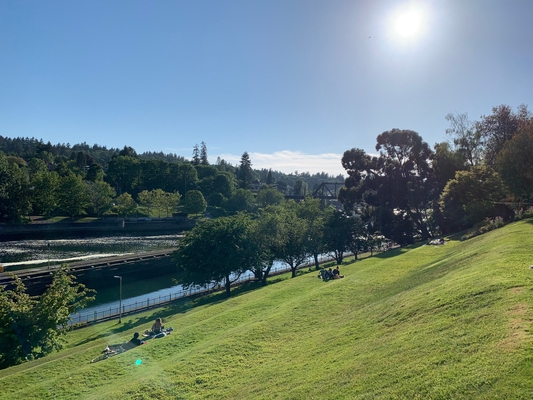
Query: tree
[36, 166]
[182, 177]
[72, 195]
[32, 327]
[123, 173]
[125, 204]
[242, 200]
[394, 191]
[203, 154]
[446, 163]
[195, 155]
[466, 138]
[81, 162]
[265, 241]
[154, 174]
[245, 173]
[469, 198]
[214, 252]
[294, 248]
[315, 215]
[14, 191]
[338, 235]
[499, 127]
[515, 165]
[360, 238]
[224, 184]
[128, 151]
[269, 197]
[300, 188]
[101, 196]
[44, 193]
[95, 173]
[170, 201]
[194, 202]
[152, 198]
[270, 180]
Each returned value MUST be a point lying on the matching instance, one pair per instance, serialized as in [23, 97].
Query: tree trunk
[228, 286]
[265, 275]
[339, 255]
[293, 271]
[317, 264]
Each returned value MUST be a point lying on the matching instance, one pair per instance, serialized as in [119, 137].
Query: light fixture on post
[120, 301]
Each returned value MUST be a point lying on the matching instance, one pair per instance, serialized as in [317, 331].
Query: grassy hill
[427, 322]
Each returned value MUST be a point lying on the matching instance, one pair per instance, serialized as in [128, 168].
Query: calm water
[32, 253]
[23, 253]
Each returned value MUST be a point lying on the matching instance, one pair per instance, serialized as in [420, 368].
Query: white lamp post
[120, 301]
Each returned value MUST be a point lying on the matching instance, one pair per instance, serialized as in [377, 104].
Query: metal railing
[82, 319]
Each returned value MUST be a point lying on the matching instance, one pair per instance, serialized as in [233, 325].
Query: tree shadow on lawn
[180, 306]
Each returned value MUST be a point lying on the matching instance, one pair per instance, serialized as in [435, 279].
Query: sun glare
[408, 23]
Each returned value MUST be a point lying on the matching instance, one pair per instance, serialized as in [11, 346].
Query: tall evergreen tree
[245, 173]
[203, 154]
[195, 155]
[270, 179]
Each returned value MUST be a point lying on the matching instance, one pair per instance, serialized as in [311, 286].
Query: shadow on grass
[181, 306]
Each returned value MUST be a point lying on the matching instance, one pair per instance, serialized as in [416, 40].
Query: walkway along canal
[144, 302]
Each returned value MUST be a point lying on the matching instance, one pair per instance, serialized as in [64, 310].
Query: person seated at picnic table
[337, 273]
[157, 327]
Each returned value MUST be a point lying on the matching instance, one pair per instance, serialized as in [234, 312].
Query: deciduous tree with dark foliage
[217, 251]
[515, 164]
[392, 191]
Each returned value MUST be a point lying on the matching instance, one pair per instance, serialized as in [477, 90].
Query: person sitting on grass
[325, 274]
[157, 327]
[134, 342]
[337, 273]
[118, 348]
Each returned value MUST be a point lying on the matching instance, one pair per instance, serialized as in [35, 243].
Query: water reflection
[42, 251]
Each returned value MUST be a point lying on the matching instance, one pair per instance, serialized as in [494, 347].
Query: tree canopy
[215, 251]
[32, 327]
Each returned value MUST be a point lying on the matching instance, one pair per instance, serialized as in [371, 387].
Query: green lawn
[424, 322]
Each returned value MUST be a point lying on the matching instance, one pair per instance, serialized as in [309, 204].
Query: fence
[81, 319]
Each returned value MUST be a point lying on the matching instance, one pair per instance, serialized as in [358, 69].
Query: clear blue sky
[294, 83]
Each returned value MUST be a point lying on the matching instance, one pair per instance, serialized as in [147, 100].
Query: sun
[407, 23]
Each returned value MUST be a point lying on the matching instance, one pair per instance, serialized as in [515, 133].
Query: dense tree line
[220, 250]
[410, 191]
[43, 179]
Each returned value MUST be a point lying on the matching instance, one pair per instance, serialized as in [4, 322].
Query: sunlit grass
[437, 322]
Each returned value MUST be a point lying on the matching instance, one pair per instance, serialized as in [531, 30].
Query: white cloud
[290, 161]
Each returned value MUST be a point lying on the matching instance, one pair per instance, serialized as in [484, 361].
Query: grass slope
[427, 322]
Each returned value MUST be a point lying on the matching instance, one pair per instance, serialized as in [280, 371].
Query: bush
[486, 226]
[523, 214]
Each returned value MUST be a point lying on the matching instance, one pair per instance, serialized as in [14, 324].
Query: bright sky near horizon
[294, 83]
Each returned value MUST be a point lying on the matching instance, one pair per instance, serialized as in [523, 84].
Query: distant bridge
[326, 191]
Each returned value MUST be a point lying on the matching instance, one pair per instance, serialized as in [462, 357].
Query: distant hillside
[448, 321]
[30, 147]
[27, 148]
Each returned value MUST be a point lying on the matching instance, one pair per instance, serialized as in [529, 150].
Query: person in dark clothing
[337, 273]
[134, 342]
